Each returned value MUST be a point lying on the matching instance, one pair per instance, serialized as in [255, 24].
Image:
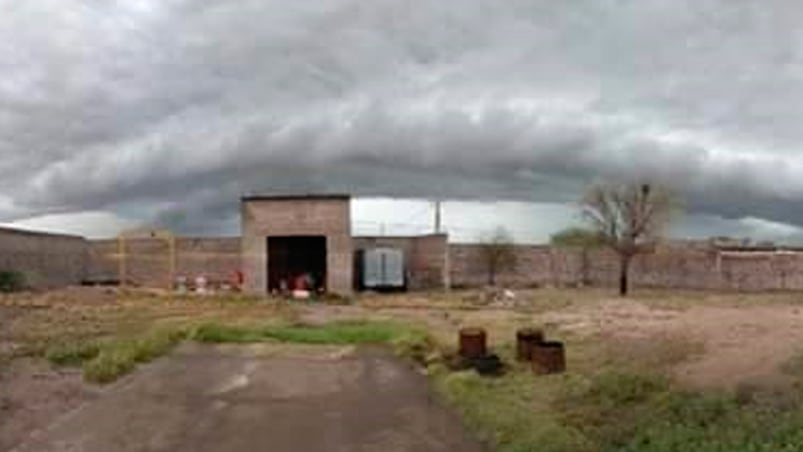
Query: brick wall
[425, 257]
[535, 266]
[47, 260]
[52, 260]
[674, 268]
[148, 262]
[686, 268]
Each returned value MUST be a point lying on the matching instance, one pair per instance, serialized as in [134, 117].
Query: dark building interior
[297, 262]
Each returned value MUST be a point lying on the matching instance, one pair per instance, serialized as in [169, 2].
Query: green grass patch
[418, 346]
[105, 362]
[511, 412]
[216, 333]
[622, 411]
[350, 332]
[619, 411]
[72, 353]
[118, 357]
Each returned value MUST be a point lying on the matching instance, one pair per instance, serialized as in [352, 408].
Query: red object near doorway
[237, 279]
[300, 282]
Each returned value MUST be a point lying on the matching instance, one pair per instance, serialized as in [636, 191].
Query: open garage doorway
[296, 262]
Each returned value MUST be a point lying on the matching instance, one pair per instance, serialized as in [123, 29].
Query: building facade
[285, 237]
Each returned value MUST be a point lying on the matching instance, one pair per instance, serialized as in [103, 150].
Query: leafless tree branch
[630, 217]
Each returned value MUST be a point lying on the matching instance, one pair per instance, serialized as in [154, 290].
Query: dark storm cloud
[176, 107]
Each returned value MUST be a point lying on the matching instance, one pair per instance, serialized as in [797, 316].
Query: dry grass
[658, 353]
[33, 324]
[685, 299]
[30, 325]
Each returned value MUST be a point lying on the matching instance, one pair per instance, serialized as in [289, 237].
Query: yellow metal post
[121, 257]
[157, 234]
[171, 240]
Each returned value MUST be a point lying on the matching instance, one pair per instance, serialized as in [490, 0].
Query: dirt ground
[739, 345]
[717, 341]
[707, 342]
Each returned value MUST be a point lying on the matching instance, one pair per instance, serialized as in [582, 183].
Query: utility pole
[446, 270]
[438, 216]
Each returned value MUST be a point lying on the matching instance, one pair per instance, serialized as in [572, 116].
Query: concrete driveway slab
[264, 397]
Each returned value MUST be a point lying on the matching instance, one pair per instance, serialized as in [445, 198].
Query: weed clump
[72, 354]
[120, 357]
[339, 333]
[417, 346]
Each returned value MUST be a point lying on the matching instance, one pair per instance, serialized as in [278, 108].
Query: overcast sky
[115, 113]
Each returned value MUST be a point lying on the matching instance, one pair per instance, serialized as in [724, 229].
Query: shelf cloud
[170, 109]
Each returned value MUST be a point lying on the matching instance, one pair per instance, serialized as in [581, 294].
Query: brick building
[284, 236]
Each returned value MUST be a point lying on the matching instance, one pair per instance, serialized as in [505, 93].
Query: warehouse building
[285, 238]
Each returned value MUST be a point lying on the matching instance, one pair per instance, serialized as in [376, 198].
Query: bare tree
[630, 217]
[498, 253]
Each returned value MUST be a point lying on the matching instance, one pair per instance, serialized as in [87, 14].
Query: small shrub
[72, 354]
[117, 358]
[417, 346]
[156, 344]
[11, 281]
[109, 365]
